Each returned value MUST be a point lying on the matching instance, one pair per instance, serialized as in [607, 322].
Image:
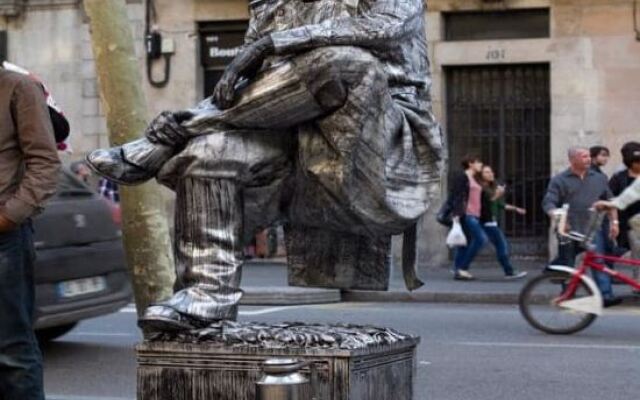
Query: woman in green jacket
[493, 204]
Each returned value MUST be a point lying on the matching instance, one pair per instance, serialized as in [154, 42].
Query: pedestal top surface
[295, 337]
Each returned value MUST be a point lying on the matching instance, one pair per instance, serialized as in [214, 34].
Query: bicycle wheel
[539, 309]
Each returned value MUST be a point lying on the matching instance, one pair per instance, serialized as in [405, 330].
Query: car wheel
[47, 334]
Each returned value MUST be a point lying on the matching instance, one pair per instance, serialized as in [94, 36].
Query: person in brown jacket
[29, 167]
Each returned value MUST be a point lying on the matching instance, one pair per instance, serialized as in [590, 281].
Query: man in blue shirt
[580, 187]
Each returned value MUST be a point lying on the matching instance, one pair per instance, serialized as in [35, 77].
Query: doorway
[220, 42]
[502, 114]
[3, 46]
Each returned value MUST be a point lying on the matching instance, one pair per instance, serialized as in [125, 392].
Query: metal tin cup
[282, 380]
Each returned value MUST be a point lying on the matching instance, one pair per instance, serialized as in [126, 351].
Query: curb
[431, 297]
[450, 297]
[288, 296]
[65, 397]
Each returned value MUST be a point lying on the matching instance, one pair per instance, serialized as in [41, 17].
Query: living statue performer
[323, 118]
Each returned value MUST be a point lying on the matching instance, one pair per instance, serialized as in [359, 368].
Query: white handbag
[456, 237]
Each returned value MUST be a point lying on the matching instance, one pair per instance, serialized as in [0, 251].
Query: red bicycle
[565, 300]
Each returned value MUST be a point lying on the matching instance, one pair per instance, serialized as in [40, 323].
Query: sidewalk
[265, 283]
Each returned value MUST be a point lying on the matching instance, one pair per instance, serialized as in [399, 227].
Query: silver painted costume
[335, 132]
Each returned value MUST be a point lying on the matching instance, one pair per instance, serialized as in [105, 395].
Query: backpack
[60, 124]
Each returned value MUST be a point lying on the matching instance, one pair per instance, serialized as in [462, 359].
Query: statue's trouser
[210, 223]
[208, 248]
[245, 152]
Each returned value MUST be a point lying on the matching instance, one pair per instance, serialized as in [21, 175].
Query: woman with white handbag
[466, 198]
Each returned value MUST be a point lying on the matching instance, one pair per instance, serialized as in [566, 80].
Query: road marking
[102, 334]
[268, 310]
[64, 397]
[551, 345]
[130, 309]
[424, 363]
[624, 310]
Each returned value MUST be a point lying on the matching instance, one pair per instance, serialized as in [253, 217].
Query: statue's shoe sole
[163, 324]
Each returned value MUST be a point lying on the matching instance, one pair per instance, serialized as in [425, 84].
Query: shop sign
[219, 48]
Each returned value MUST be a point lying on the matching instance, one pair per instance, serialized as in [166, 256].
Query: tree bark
[145, 228]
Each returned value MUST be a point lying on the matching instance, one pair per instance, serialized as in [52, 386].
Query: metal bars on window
[502, 113]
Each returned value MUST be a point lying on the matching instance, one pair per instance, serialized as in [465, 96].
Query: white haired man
[580, 187]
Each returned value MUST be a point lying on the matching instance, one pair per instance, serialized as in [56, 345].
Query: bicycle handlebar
[595, 222]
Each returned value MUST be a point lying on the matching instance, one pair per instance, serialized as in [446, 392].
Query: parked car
[80, 270]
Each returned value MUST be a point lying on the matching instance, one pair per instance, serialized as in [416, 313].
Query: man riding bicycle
[579, 187]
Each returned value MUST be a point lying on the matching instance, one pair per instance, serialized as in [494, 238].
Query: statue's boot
[132, 163]
[158, 317]
[208, 255]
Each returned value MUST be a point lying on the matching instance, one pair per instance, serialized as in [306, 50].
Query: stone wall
[594, 59]
[593, 55]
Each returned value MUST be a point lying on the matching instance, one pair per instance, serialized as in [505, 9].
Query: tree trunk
[146, 233]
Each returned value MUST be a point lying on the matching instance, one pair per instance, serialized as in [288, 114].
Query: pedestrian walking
[622, 180]
[599, 157]
[628, 238]
[81, 171]
[466, 200]
[29, 167]
[580, 187]
[109, 190]
[493, 204]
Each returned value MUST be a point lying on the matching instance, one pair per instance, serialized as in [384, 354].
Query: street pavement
[475, 345]
[467, 352]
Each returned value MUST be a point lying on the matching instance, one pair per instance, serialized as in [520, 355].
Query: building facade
[520, 81]
[516, 81]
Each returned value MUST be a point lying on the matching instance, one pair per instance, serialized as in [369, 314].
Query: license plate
[79, 287]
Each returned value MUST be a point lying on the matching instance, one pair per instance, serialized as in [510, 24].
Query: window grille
[502, 114]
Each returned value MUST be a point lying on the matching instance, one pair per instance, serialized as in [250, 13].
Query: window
[11, 8]
[510, 24]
